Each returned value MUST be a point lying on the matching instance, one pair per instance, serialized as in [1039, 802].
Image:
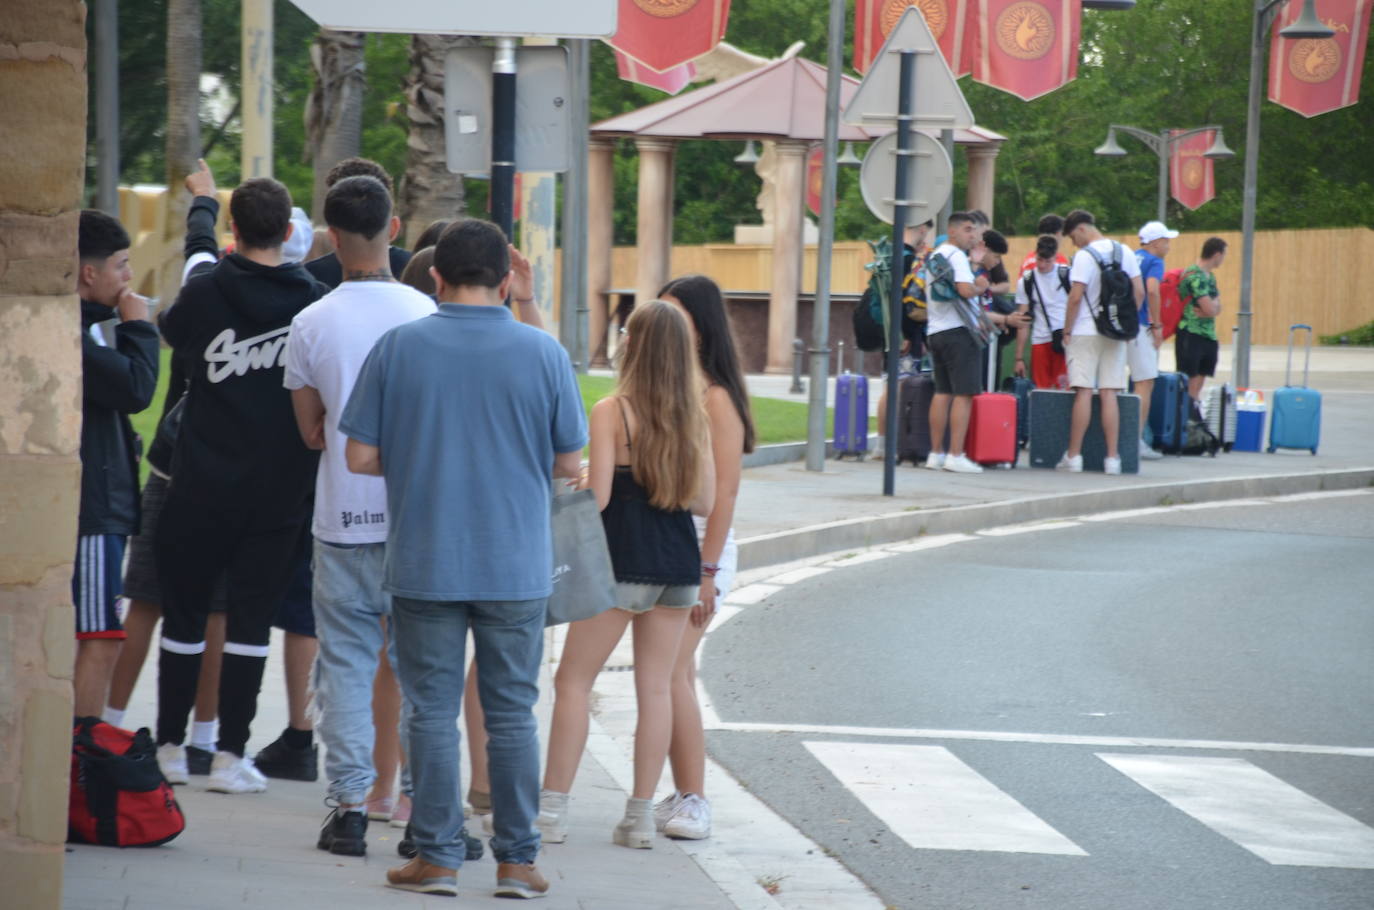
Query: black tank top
[648, 545]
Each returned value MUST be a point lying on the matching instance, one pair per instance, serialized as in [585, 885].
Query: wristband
[710, 569]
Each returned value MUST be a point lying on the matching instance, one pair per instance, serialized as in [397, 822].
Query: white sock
[204, 734]
[112, 716]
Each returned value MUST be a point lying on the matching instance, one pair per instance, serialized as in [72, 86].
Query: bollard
[798, 362]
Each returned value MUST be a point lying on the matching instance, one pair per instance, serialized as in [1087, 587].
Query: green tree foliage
[1166, 63]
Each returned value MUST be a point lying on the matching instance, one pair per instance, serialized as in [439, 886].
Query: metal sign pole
[503, 137]
[905, 92]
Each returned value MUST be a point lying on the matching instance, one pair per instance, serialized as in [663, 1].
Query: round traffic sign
[930, 177]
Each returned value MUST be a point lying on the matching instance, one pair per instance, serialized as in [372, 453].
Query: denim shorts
[640, 598]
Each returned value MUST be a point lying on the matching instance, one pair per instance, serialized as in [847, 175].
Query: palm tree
[428, 190]
[334, 111]
[183, 134]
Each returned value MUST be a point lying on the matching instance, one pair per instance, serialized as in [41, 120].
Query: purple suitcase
[851, 412]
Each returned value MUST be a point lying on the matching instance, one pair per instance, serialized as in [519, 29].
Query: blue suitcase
[851, 412]
[1296, 421]
[1169, 408]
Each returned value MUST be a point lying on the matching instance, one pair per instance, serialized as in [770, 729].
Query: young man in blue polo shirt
[469, 416]
[1142, 354]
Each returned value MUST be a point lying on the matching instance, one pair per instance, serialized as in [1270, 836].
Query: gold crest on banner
[1314, 59]
[936, 13]
[1193, 172]
[1025, 30]
[665, 9]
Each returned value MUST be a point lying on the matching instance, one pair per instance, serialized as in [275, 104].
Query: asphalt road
[1171, 711]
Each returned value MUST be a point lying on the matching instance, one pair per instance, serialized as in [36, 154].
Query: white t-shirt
[1085, 271]
[1055, 298]
[328, 343]
[944, 315]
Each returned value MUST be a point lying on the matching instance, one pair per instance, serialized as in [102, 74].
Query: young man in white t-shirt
[1094, 361]
[1041, 293]
[956, 356]
[328, 343]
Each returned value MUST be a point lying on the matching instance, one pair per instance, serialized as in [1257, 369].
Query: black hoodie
[238, 449]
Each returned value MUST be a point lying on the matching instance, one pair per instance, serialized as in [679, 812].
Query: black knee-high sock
[176, 694]
[240, 678]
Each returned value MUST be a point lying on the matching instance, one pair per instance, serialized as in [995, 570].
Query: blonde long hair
[660, 380]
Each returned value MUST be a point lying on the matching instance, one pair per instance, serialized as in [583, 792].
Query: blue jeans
[349, 608]
[508, 637]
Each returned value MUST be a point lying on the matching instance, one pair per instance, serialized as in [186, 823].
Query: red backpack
[119, 797]
[1170, 303]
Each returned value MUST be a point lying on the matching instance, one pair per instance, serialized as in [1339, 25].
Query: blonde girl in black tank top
[651, 469]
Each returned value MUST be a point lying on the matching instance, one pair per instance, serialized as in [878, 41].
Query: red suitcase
[991, 435]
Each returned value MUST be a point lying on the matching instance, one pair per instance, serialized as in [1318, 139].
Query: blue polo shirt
[468, 408]
[1151, 266]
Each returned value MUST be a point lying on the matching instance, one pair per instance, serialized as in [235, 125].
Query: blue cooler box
[1249, 431]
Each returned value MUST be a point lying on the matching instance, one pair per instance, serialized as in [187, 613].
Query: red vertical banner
[663, 34]
[1026, 47]
[671, 81]
[948, 21]
[1315, 75]
[814, 161]
[1190, 173]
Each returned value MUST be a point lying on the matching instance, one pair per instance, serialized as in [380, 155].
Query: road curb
[857, 533]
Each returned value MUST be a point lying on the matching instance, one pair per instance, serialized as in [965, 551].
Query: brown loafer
[520, 880]
[424, 877]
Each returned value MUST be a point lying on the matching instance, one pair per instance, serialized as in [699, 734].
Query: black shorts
[1194, 354]
[140, 575]
[957, 362]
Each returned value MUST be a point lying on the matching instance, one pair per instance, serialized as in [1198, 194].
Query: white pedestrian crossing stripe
[1272, 819]
[934, 801]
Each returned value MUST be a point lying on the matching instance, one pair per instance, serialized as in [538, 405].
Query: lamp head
[847, 157]
[1308, 25]
[749, 156]
[1111, 148]
[1219, 150]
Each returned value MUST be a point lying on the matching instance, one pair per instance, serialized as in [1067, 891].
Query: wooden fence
[1324, 277]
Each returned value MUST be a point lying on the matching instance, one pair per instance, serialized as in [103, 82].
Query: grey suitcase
[1050, 410]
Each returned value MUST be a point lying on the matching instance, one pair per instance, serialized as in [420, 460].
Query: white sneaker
[636, 829]
[1073, 465]
[1148, 453]
[171, 758]
[552, 820]
[231, 774]
[960, 464]
[1111, 465]
[692, 821]
[935, 461]
[665, 808]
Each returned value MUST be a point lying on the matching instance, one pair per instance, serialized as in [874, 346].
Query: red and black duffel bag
[119, 797]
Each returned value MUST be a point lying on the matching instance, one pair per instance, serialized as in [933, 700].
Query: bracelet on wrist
[710, 569]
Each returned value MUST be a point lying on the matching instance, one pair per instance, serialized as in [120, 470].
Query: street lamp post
[1162, 144]
[1307, 26]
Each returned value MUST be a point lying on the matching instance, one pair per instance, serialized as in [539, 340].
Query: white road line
[859, 558]
[752, 594]
[796, 575]
[1124, 513]
[931, 543]
[1008, 530]
[1273, 820]
[1051, 739]
[1219, 504]
[1321, 494]
[933, 801]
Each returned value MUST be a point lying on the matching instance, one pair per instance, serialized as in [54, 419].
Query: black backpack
[1117, 314]
[868, 328]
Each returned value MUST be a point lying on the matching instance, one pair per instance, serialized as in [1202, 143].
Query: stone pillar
[790, 178]
[600, 237]
[654, 222]
[43, 95]
[982, 176]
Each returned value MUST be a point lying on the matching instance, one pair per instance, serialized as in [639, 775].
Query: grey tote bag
[583, 579]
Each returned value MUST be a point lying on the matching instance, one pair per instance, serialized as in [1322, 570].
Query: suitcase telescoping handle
[991, 352]
[1307, 363]
[839, 359]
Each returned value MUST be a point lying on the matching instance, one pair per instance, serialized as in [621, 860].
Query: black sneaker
[198, 760]
[406, 848]
[343, 832]
[283, 762]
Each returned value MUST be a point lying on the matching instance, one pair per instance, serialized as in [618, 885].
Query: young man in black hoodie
[116, 382]
[241, 477]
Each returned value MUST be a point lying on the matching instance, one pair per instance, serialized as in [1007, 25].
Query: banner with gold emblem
[1026, 47]
[1190, 173]
[1315, 75]
[671, 81]
[662, 34]
[948, 21]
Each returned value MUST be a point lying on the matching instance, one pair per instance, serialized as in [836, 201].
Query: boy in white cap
[1142, 354]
